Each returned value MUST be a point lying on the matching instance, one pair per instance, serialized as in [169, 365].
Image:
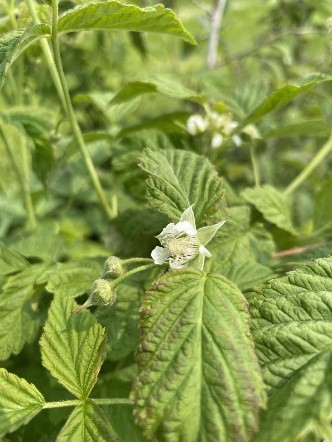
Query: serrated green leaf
[161, 84]
[87, 423]
[178, 179]
[323, 206]
[272, 204]
[284, 95]
[10, 261]
[72, 346]
[72, 279]
[198, 374]
[116, 15]
[19, 402]
[292, 328]
[121, 320]
[13, 43]
[19, 312]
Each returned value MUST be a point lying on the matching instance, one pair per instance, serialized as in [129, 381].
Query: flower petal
[177, 264]
[168, 230]
[186, 227]
[159, 255]
[188, 215]
[204, 251]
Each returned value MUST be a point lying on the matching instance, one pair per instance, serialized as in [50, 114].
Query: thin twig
[296, 31]
[214, 34]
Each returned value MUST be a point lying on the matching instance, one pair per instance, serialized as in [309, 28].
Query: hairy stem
[48, 55]
[311, 166]
[24, 185]
[255, 165]
[117, 281]
[136, 260]
[214, 34]
[75, 402]
[72, 117]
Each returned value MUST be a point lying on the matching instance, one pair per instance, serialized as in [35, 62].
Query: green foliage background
[237, 352]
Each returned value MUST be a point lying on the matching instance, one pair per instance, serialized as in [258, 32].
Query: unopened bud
[102, 294]
[113, 268]
[196, 124]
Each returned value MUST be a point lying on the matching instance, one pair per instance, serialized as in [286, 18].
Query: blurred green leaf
[72, 346]
[116, 15]
[284, 95]
[323, 206]
[10, 261]
[272, 204]
[19, 402]
[13, 43]
[162, 84]
[312, 128]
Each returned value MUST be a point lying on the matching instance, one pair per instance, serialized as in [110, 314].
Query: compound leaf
[19, 402]
[87, 423]
[198, 377]
[178, 179]
[73, 346]
[272, 204]
[116, 15]
[292, 327]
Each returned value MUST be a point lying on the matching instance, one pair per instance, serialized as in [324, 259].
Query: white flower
[182, 243]
[196, 124]
[216, 141]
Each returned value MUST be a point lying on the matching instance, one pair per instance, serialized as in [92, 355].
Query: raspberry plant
[165, 263]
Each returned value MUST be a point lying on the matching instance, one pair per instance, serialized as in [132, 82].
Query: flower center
[182, 245]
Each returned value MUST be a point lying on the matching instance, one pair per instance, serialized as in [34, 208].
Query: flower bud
[102, 294]
[196, 124]
[113, 268]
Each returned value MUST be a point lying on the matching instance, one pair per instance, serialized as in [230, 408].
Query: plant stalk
[26, 195]
[255, 165]
[75, 402]
[117, 281]
[72, 117]
[311, 166]
[47, 55]
[214, 34]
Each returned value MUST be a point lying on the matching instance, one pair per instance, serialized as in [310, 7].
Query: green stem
[136, 260]
[72, 117]
[117, 281]
[316, 160]
[254, 165]
[27, 199]
[48, 55]
[75, 402]
[114, 401]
